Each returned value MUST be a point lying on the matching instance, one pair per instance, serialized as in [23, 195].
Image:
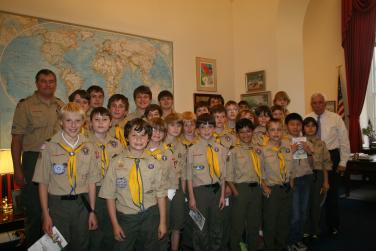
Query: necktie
[282, 164]
[135, 185]
[72, 165]
[213, 162]
[318, 127]
[104, 159]
[256, 163]
[119, 135]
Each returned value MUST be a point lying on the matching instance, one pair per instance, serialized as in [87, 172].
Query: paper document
[171, 193]
[198, 218]
[48, 243]
[300, 153]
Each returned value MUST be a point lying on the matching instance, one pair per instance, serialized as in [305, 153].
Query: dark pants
[227, 225]
[276, 218]
[246, 214]
[331, 204]
[30, 199]
[103, 237]
[300, 198]
[141, 231]
[314, 210]
[71, 218]
[207, 202]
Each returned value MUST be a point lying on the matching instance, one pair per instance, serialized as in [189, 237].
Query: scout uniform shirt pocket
[199, 166]
[83, 166]
[38, 119]
[121, 178]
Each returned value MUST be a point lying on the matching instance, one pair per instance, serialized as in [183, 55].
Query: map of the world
[80, 57]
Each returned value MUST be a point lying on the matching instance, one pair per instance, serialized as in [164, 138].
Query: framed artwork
[331, 105]
[255, 81]
[197, 97]
[256, 99]
[206, 74]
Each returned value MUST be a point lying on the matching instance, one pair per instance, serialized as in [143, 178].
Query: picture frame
[197, 97]
[331, 105]
[258, 98]
[255, 81]
[206, 74]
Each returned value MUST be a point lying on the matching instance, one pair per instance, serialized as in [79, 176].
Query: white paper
[198, 218]
[227, 201]
[48, 243]
[300, 153]
[171, 193]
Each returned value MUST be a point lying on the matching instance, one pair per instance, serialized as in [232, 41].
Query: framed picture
[256, 99]
[331, 105]
[206, 74]
[255, 81]
[197, 97]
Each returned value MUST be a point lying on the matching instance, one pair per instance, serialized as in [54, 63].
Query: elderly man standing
[332, 130]
[35, 121]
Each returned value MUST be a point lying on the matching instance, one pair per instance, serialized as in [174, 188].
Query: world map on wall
[80, 57]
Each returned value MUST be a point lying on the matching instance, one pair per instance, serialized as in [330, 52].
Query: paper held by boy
[56, 242]
[198, 218]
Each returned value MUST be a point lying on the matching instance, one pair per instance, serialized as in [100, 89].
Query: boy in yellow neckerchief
[263, 115]
[206, 171]
[118, 106]
[135, 190]
[277, 173]
[244, 177]
[66, 171]
[106, 147]
[232, 110]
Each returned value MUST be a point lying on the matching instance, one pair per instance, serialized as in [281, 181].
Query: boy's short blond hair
[188, 115]
[71, 107]
[158, 123]
[274, 121]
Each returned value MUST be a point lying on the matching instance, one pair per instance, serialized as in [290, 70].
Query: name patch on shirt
[151, 166]
[85, 150]
[59, 168]
[121, 182]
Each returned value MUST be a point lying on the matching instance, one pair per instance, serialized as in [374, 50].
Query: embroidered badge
[113, 143]
[85, 150]
[228, 138]
[59, 168]
[287, 150]
[199, 167]
[121, 182]
[164, 157]
[258, 151]
[151, 166]
[216, 149]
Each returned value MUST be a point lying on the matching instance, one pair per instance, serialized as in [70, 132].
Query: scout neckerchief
[282, 163]
[187, 142]
[135, 185]
[72, 163]
[265, 140]
[218, 136]
[213, 161]
[119, 135]
[157, 153]
[104, 159]
[256, 163]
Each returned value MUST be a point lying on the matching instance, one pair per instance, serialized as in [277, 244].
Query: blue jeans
[300, 198]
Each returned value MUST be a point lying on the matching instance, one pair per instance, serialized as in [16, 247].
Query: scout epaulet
[156, 154]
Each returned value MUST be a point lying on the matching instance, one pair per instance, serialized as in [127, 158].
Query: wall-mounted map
[80, 56]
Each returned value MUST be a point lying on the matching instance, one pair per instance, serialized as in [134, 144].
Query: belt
[214, 186]
[253, 184]
[69, 197]
[285, 186]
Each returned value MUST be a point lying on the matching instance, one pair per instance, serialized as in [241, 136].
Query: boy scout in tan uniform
[35, 121]
[244, 172]
[117, 131]
[138, 219]
[276, 166]
[67, 202]
[206, 187]
[105, 150]
[258, 137]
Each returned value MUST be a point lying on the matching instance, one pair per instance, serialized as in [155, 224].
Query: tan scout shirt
[240, 168]
[301, 167]
[178, 163]
[258, 136]
[197, 165]
[321, 155]
[115, 184]
[226, 138]
[36, 120]
[51, 168]
[121, 124]
[136, 114]
[270, 164]
[112, 147]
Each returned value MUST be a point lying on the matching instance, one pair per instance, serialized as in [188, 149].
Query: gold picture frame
[206, 74]
[255, 81]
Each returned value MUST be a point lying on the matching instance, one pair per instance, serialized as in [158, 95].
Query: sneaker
[315, 237]
[305, 235]
[335, 231]
[301, 246]
[294, 247]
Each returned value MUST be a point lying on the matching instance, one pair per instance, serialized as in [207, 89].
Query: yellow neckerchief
[282, 163]
[72, 164]
[157, 153]
[135, 185]
[169, 146]
[213, 162]
[218, 136]
[104, 159]
[256, 163]
[265, 140]
[119, 135]
[187, 142]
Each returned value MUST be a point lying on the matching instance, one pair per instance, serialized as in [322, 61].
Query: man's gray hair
[318, 94]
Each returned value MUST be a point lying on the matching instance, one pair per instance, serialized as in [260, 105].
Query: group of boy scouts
[109, 180]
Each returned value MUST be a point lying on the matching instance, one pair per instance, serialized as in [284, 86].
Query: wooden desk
[363, 167]
[10, 222]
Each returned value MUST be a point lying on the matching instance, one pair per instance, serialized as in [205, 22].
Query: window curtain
[358, 39]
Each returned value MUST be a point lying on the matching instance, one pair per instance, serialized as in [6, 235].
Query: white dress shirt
[334, 134]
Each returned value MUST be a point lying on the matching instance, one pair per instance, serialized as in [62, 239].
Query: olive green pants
[312, 225]
[276, 218]
[246, 214]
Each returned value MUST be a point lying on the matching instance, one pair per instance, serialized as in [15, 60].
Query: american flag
[341, 106]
